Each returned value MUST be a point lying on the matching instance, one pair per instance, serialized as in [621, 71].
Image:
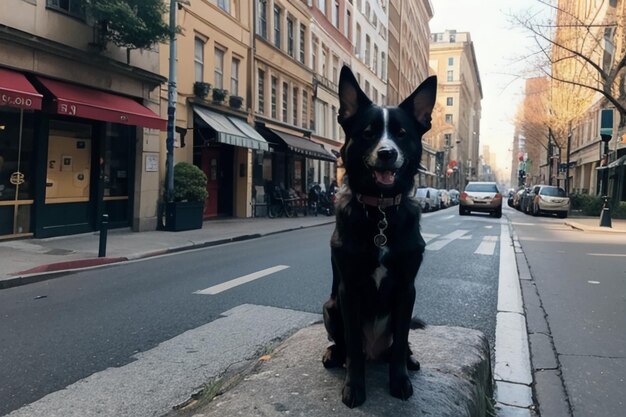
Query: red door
[210, 160]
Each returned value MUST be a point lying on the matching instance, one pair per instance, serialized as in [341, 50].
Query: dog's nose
[387, 154]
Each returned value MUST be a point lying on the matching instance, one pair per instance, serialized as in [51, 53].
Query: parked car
[527, 199]
[550, 199]
[455, 195]
[481, 196]
[517, 198]
[444, 199]
[428, 198]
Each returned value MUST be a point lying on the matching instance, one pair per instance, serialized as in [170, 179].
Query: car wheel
[498, 213]
[562, 214]
[426, 208]
[462, 211]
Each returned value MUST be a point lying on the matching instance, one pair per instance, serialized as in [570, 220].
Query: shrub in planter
[592, 205]
[235, 102]
[201, 89]
[189, 183]
[619, 212]
[219, 95]
[185, 212]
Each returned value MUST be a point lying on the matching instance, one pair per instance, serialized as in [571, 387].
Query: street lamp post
[171, 107]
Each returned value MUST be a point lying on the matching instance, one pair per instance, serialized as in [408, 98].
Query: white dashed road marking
[487, 246]
[216, 289]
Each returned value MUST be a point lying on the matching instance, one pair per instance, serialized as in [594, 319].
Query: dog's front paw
[401, 387]
[333, 358]
[353, 395]
[412, 364]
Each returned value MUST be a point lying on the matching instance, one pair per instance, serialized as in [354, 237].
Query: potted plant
[185, 212]
[219, 95]
[235, 102]
[201, 89]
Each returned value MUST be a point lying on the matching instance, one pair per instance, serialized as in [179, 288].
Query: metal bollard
[605, 215]
[104, 225]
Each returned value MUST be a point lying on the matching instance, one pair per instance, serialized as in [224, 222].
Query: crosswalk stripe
[487, 246]
[216, 289]
[446, 239]
[429, 236]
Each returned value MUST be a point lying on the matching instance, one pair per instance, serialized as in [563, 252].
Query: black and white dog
[376, 248]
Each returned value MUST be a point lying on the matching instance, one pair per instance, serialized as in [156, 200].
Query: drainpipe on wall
[171, 107]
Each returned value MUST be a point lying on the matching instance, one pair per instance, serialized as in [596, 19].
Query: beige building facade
[453, 60]
[213, 107]
[79, 124]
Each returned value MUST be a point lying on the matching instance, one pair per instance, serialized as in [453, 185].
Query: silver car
[428, 198]
[550, 199]
[481, 196]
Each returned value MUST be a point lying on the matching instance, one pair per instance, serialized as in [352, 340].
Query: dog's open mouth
[386, 178]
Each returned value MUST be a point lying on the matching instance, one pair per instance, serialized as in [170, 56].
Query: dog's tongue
[385, 177]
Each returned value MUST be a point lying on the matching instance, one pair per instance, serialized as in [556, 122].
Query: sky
[498, 45]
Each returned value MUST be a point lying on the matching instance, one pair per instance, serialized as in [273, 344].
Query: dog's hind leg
[335, 355]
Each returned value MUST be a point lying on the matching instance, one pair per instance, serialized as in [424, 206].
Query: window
[367, 49]
[367, 10]
[335, 69]
[262, 18]
[321, 4]
[347, 24]
[374, 95]
[305, 109]
[274, 86]
[219, 68]
[357, 41]
[224, 5]
[450, 61]
[285, 102]
[71, 7]
[324, 61]
[294, 106]
[234, 77]
[450, 76]
[448, 118]
[290, 39]
[335, 14]
[375, 59]
[367, 88]
[333, 110]
[277, 26]
[452, 38]
[261, 92]
[447, 137]
[198, 59]
[302, 39]
[383, 65]
[449, 101]
[314, 55]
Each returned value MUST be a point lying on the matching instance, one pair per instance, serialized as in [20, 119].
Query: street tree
[131, 24]
[581, 50]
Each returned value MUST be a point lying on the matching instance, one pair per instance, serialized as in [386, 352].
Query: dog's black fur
[368, 315]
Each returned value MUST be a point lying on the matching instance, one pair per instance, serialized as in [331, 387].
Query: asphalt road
[580, 279]
[60, 331]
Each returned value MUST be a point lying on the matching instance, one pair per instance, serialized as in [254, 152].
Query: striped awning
[231, 130]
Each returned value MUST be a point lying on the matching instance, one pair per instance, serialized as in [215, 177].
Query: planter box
[201, 89]
[235, 102]
[219, 95]
[183, 216]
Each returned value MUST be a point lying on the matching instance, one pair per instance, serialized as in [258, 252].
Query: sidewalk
[31, 260]
[592, 224]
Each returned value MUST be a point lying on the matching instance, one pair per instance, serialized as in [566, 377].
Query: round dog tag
[380, 240]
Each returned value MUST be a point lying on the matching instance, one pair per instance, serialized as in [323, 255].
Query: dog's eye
[401, 133]
[368, 133]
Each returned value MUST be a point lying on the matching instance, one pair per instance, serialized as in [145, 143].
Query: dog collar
[379, 202]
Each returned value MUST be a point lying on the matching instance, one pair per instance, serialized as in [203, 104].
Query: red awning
[16, 91]
[73, 100]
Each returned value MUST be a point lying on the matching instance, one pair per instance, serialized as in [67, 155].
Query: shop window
[69, 162]
[17, 169]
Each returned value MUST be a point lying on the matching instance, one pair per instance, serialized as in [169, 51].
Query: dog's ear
[420, 104]
[351, 97]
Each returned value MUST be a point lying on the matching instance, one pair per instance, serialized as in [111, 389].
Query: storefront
[222, 148]
[293, 161]
[68, 157]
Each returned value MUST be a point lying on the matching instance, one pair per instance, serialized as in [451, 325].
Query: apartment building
[284, 106]
[369, 40]
[408, 60]
[331, 28]
[214, 106]
[453, 60]
[79, 124]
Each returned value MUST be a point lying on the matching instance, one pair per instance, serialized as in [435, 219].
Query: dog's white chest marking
[380, 272]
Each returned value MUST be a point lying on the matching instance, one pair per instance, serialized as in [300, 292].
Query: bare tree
[581, 49]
